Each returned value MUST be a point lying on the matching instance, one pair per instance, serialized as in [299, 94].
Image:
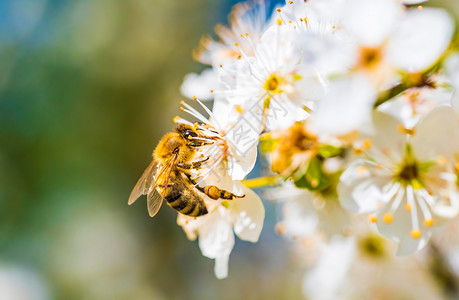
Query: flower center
[373, 245]
[272, 83]
[409, 172]
[369, 57]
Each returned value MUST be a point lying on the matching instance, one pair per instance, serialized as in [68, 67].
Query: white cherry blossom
[407, 183]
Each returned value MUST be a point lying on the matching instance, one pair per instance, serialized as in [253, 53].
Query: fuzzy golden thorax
[174, 143]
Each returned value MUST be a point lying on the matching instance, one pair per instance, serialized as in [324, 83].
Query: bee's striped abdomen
[187, 204]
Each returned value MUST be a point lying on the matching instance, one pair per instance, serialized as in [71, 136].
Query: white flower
[387, 40]
[305, 213]
[452, 69]
[18, 283]
[232, 148]
[346, 107]
[324, 280]
[270, 85]
[416, 102]
[412, 1]
[244, 216]
[245, 18]
[201, 85]
[409, 184]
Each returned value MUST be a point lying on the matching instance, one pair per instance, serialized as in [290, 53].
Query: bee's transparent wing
[144, 184]
[154, 201]
[154, 198]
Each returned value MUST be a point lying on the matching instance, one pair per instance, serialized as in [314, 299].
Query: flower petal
[200, 85]
[323, 281]
[370, 22]
[387, 143]
[221, 266]
[359, 189]
[247, 215]
[216, 236]
[346, 107]
[420, 39]
[437, 134]
[241, 165]
[399, 229]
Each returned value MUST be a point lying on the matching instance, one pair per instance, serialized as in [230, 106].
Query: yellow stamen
[361, 170]
[176, 119]
[420, 7]
[415, 234]
[403, 130]
[211, 91]
[261, 181]
[278, 10]
[239, 109]
[408, 207]
[279, 22]
[290, 2]
[236, 44]
[366, 143]
[441, 160]
[388, 218]
[372, 218]
[280, 228]
[428, 222]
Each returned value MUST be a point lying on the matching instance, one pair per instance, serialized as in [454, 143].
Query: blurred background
[87, 88]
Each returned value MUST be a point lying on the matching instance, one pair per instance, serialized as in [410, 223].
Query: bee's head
[186, 131]
[173, 144]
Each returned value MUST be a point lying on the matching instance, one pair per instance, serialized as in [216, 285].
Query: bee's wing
[154, 201]
[144, 183]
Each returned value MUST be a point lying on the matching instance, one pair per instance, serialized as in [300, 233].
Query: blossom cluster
[351, 102]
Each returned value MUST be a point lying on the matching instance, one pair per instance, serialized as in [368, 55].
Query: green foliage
[329, 151]
[313, 178]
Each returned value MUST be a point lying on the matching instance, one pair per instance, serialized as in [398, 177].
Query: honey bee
[168, 176]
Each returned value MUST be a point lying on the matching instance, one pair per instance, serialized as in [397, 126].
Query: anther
[236, 44]
[372, 218]
[415, 234]
[441, 160]
[388, 218]
[428, 222]
[403, 130]
[278, 10]
[408, 207]
[361, 170]
[279, 22]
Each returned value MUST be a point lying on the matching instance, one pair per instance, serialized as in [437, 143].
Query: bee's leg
[214, 192]
[193, 165]
[198, 144]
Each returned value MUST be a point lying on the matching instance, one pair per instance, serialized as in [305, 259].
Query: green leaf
[329, 151]
[314, 179]
[268, 145]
